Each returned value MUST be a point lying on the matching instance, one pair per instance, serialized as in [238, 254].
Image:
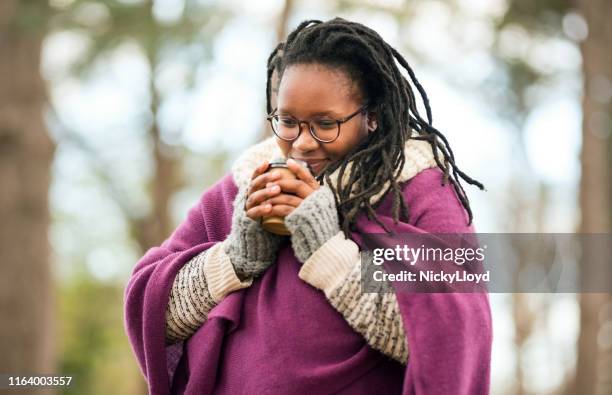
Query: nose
[305, 142]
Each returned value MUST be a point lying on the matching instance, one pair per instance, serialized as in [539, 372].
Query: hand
[313, 222]
[289, 193]
[259, 190]
[251, 249]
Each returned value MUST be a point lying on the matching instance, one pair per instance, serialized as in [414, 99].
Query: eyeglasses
[324, 130]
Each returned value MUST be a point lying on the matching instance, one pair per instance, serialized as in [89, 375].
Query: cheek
[284, 146]
[346, 142]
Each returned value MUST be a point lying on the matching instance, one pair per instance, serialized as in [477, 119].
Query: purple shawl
[281, 335]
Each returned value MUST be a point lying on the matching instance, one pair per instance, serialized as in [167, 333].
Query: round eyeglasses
[324, 130]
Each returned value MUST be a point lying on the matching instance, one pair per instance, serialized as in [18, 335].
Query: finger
[296, 187]
[260, 169]
[284, 199]
[262, 180]
[257, 212]
[281, 210]
[302, 173]
[255, 198]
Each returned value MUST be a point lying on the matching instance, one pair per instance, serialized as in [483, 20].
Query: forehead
[313, 87]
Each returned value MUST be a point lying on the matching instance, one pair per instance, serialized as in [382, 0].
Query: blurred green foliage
[93, 347]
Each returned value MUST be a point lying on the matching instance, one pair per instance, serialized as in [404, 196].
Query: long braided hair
[371, 63]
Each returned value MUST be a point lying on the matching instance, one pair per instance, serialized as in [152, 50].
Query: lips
[315, 165]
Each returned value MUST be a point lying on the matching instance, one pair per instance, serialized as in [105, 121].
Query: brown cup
[276, 224]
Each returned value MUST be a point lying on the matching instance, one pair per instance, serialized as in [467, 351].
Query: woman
[224, 306]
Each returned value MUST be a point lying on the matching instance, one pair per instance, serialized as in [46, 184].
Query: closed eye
[286, 121]
[326, 123]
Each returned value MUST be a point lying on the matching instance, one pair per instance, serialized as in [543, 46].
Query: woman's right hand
[251, 249]
[258, 192]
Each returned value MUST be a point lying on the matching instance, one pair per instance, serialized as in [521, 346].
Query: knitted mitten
[251, 248]
[313, 222]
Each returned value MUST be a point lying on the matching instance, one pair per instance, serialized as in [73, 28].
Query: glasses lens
[285, 127]
[326, 130]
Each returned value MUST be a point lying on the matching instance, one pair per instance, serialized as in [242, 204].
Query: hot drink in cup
[276, 224]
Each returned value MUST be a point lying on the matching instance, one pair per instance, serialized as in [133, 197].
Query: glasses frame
[340, 121]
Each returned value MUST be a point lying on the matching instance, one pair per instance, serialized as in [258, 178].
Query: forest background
[115, 115]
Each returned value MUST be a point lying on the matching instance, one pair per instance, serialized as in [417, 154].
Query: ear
[371, 121]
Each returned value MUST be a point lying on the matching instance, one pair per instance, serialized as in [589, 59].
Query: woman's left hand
[311, 214]
[293, 191]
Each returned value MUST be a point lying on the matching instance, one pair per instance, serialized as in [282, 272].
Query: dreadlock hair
[371, 64]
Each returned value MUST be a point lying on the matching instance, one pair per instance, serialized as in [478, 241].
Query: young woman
[225, 307]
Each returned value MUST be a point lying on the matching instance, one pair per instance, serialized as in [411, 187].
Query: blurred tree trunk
[26, 153]
[153, 229]
[528, 310]
[594, 369]
[283, 20]
[281, 34]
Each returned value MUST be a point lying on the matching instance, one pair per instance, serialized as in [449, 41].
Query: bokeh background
[115, 115]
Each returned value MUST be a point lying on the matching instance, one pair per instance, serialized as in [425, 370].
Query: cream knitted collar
[419, 156]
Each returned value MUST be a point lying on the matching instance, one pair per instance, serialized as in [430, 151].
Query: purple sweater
[281, 335]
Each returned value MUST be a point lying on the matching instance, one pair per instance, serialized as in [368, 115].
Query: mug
[274, 223]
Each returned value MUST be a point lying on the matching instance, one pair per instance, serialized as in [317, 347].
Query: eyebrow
[318, 113]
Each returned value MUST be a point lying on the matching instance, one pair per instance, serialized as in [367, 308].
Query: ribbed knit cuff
[250, 248]
[220, 274]
[189, 301]
[313, 222]
[374, 315]
[329, 266]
